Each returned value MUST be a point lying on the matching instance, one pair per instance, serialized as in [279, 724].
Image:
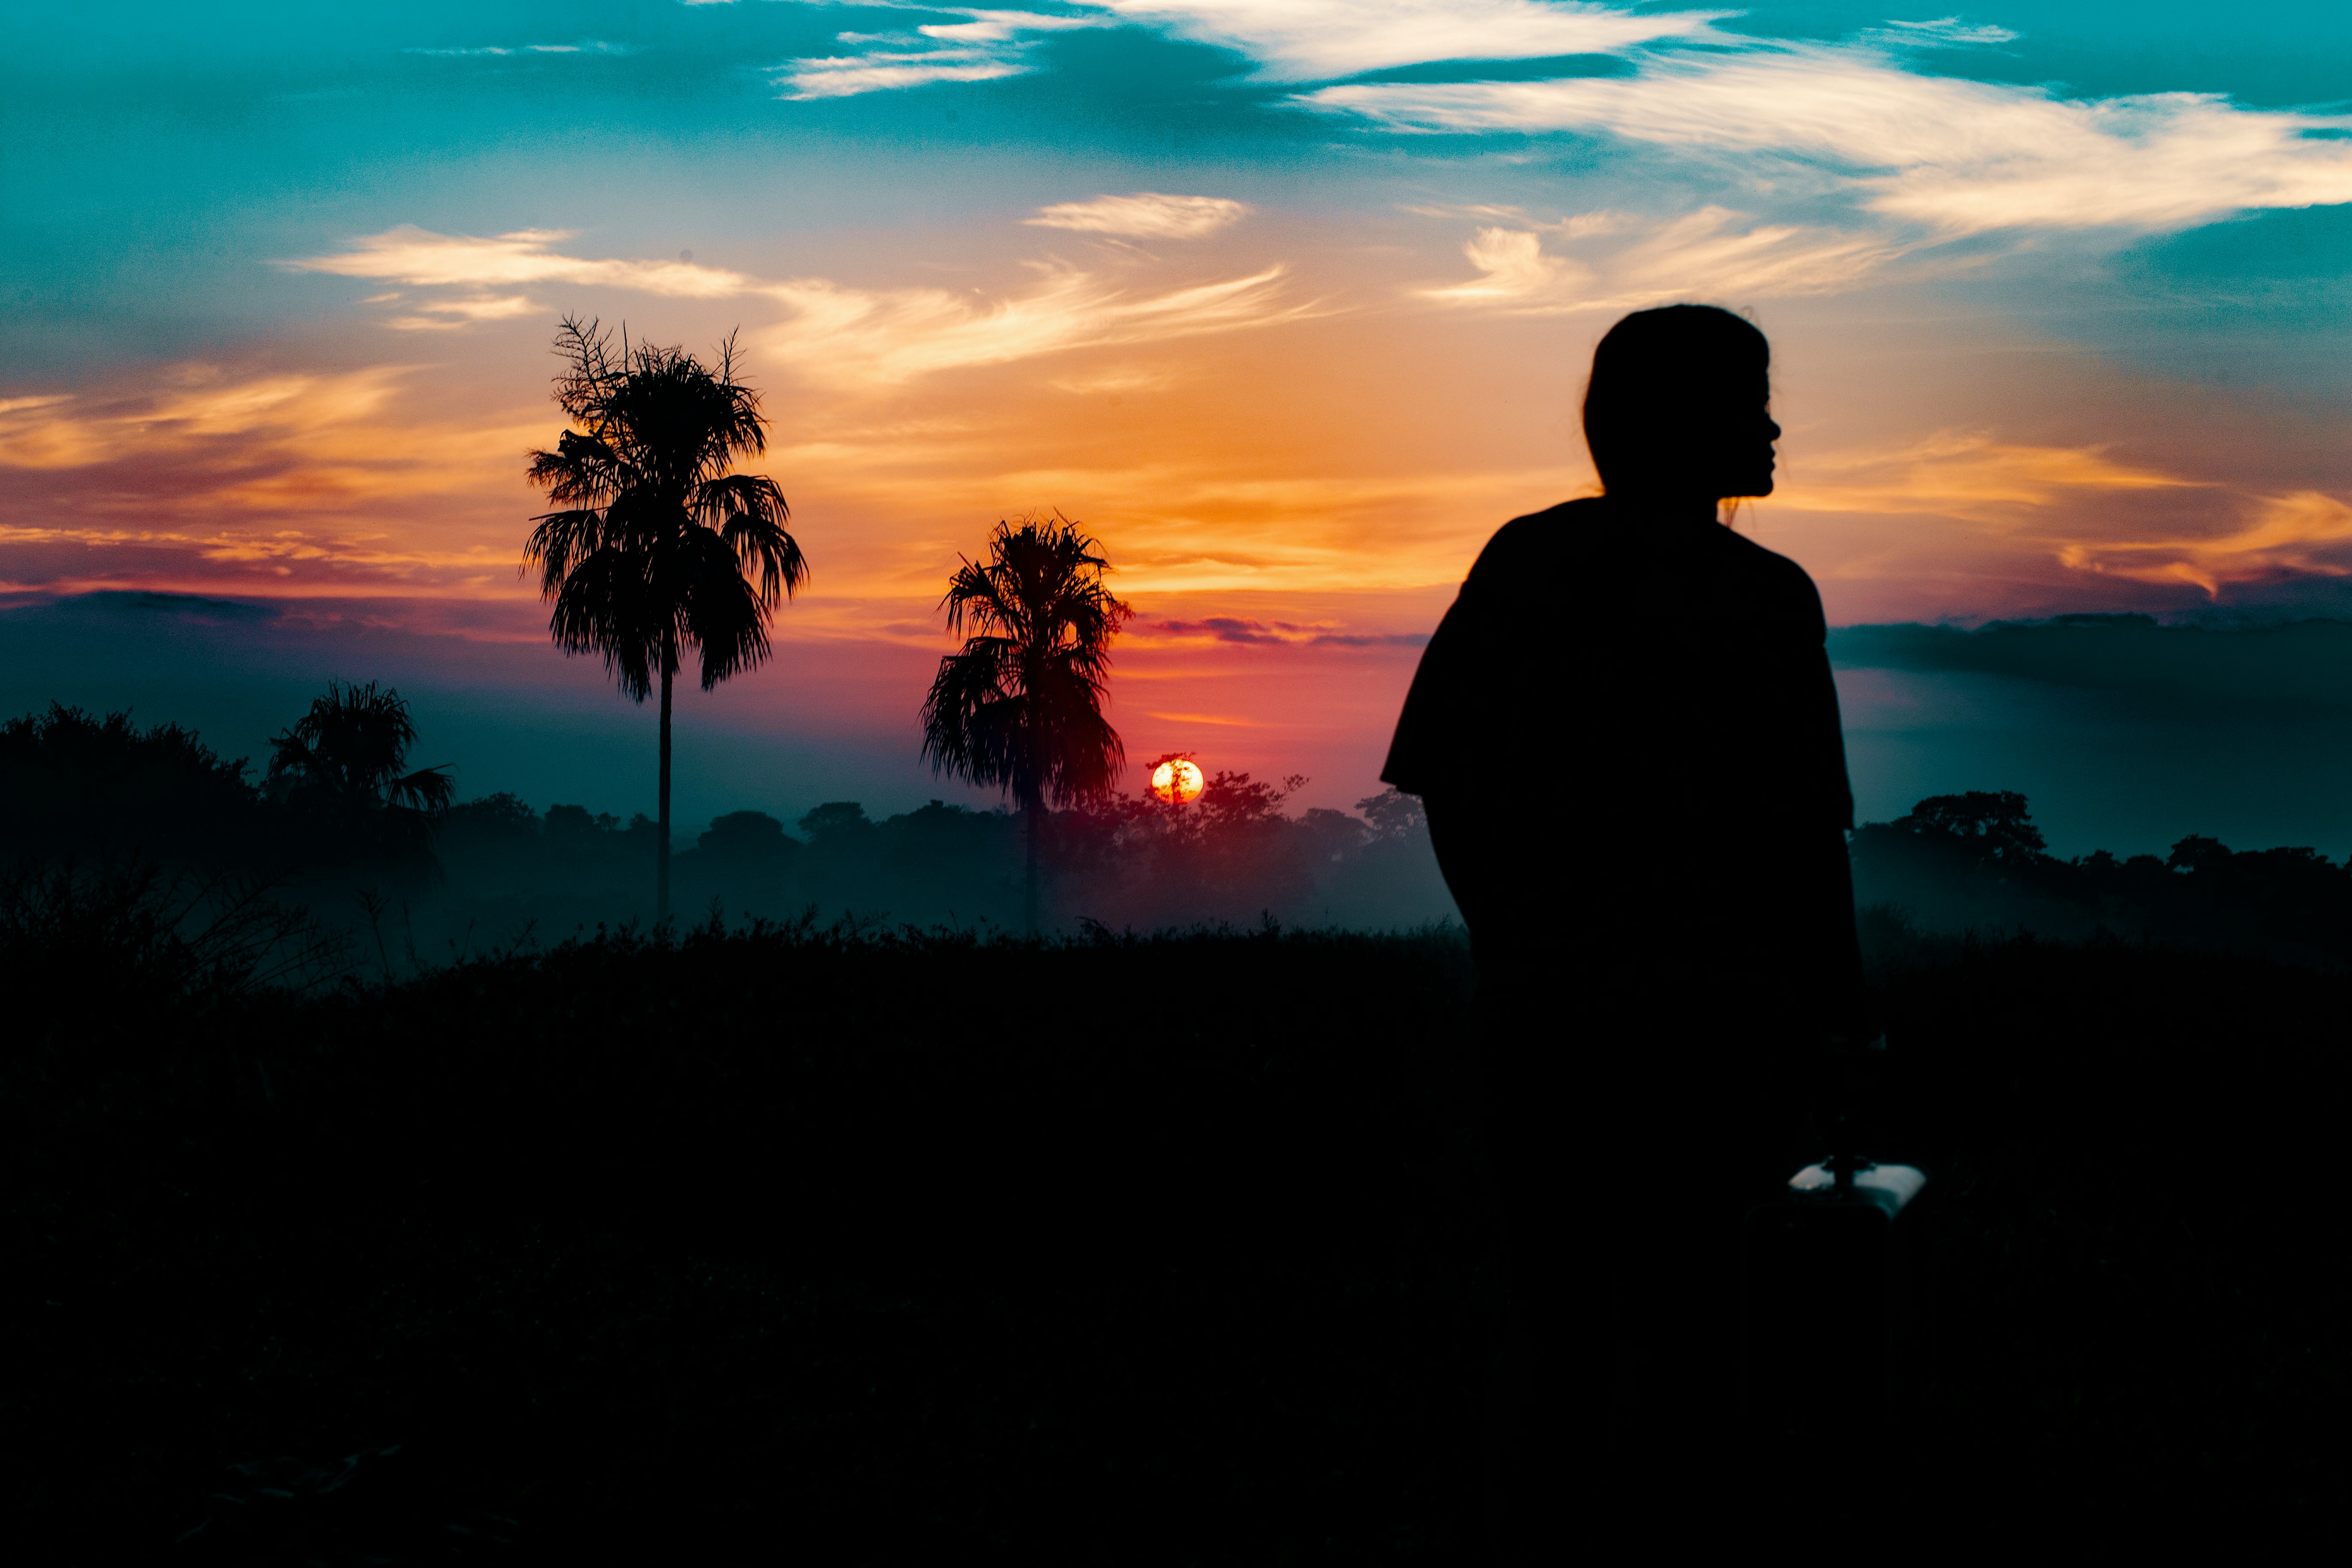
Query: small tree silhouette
[1995, 825]
[344, 761]
[1021, 706]
[660, 542]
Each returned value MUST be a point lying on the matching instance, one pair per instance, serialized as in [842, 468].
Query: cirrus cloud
[1316, 40]
[989, 46]
[1146, 214]
[841, 333]
[1626, 264]
[1956, 156]
[1290, 40]
[422, 258]
[882, 337]
[2306, 533]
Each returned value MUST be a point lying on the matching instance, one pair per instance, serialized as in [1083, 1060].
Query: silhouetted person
[1656, 968]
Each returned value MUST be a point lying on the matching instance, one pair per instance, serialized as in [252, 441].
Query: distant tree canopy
[1995, 823]
[73, 783]
[340, 800]
[343, 811]
[1978, 861]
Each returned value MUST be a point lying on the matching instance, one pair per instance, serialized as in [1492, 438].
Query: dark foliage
[770, 1243]
[1977, 860]
[340, 808]
[1126, 863]
[343, 771]
[74, 783]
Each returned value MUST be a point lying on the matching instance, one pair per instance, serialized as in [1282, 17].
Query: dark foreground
[927, 1251]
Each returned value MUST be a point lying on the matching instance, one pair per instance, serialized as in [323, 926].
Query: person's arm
[1846, 999]
[1462, 857]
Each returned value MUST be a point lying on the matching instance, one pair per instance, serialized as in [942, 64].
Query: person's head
[1676, 408]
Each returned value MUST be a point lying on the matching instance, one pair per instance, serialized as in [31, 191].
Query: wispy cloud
[194, 402]
[2306, 533]
[444, 314]
[1712, 254]
[1291, 40]
[1219, 720]
[585, 47]
[1146, 214]
[1118, 382]
[1318, 40]
[1956, 156]
[833, 332]
[989, 46]
[1945, 32]
[1963, 473]
[844, 75]
[208, 438]
[1256, 633]
[425, 259]
[891, 336]
[292, 476]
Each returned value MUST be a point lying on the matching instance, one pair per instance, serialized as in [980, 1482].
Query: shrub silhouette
[74, 783]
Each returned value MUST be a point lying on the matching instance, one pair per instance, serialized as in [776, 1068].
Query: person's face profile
[1740, 436]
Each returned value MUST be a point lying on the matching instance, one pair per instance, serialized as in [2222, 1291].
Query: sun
[1176, 781]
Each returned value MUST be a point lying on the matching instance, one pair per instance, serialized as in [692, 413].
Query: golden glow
[1177, 782]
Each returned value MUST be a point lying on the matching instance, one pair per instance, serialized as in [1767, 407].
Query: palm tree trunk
[661, 846]
[1029, 809]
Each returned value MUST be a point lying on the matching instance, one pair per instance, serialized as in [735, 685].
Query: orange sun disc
[1177, 782]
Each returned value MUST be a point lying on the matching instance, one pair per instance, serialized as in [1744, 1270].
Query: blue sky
[1289, 300]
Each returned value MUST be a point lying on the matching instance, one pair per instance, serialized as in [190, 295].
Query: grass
[920, 1249]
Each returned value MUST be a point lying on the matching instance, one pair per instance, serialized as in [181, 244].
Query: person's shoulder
[1533, 543]
[1764, 563]
[1775, 576]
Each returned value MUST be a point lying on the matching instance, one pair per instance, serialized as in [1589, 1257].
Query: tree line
[1977, 860]
[341, 822]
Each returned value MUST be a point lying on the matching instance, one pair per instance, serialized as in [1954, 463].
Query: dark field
[924, 1250]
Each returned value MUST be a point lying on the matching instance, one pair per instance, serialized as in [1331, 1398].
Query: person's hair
[1660, 379]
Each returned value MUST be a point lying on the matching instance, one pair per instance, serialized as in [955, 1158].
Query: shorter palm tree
[346, 762]
[1021, 706]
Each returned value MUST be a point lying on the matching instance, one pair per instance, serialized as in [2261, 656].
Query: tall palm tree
[659, 544]
[1021, 706]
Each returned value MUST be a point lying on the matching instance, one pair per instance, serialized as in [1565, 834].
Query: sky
[1289, 301]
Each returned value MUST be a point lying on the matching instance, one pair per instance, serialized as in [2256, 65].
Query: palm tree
[1021, 706]
[659, 543]
[344, 759]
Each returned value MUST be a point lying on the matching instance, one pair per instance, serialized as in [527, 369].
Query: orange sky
[1292, 372]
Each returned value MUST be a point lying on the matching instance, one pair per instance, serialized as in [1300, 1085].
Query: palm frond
[717, 610]
[653, 543]
[426, 789]
[349, 750]
[560, 543]
[606, 606]
[749, 512]
[1020, 707]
